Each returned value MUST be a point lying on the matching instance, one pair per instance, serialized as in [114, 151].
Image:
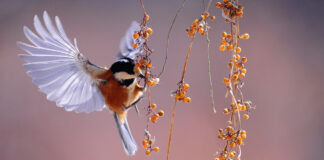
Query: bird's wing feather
[126, 43]
[59, 69]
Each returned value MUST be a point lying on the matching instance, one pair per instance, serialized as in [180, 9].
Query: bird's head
[125, 69]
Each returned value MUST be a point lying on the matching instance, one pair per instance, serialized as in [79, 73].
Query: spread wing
[126, 43]
[59, 69]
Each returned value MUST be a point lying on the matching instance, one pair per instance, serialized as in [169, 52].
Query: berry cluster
[155, 115]
[144, 62]
[234, 138]
[233, 134]
[144, 33]
[230, 10]
[148, 143]
[199, 25]
[181, 93]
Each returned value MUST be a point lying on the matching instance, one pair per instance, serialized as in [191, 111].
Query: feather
[59, 69]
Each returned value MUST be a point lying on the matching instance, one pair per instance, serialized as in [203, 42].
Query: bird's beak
[137, 72]
[141, 76]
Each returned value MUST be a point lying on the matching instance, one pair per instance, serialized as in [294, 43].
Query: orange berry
[161, 113]
[239, 106]
[135, 35]
[235, 77]
[145, 145]
[150, 83]
[190, 34]
[149, 30]
[232, 144]
[147, 152]
[205, 15]
[228, 137]
[212, 18]
[239, 142]
[239, 14]
[245, 36]
[138, 65]
[226, 12]
[237, 57]
[201, 31]
[229, 36]
[229, 4]
[229, 47]
[244, 59]
[239, 65]
[238, 50]
[144, 142]
[222, 47]
[147, 17]
[154, 119]
[243, 70]
[194, 25]
[153, 106]
[232, 154]
[135, 46]
[243, 136]
[146, 35]
[223, 42]
[187, 99]
[219, 5]
[242, 75]
[149, 65]
[147, 74]
[225, 1]
[196, 21]
[142, 62]
[182, 95]
[186, 86]
[226, 111]
[226, 80]
[243, 132]
[243, 107]
[245, 116]
[156, 149]
[224, 34]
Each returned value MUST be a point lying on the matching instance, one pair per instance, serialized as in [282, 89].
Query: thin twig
[209, 72]
[187, 58]
[144, 10]
[168, 39]
[171, 127]
[209, 4]
[175, 100]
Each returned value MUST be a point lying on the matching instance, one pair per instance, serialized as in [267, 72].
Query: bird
[68, 78]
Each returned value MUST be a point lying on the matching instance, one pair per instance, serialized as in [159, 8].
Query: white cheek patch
[123, 76]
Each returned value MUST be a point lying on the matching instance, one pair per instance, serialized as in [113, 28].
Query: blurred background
[284, 80]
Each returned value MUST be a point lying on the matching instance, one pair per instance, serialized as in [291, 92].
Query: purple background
[284, 79]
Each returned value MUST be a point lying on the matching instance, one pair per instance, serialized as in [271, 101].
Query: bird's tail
[126, 135]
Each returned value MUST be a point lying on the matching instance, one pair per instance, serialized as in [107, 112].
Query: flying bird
[68, 78]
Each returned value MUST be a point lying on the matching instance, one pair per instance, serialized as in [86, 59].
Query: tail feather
[126, 136]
